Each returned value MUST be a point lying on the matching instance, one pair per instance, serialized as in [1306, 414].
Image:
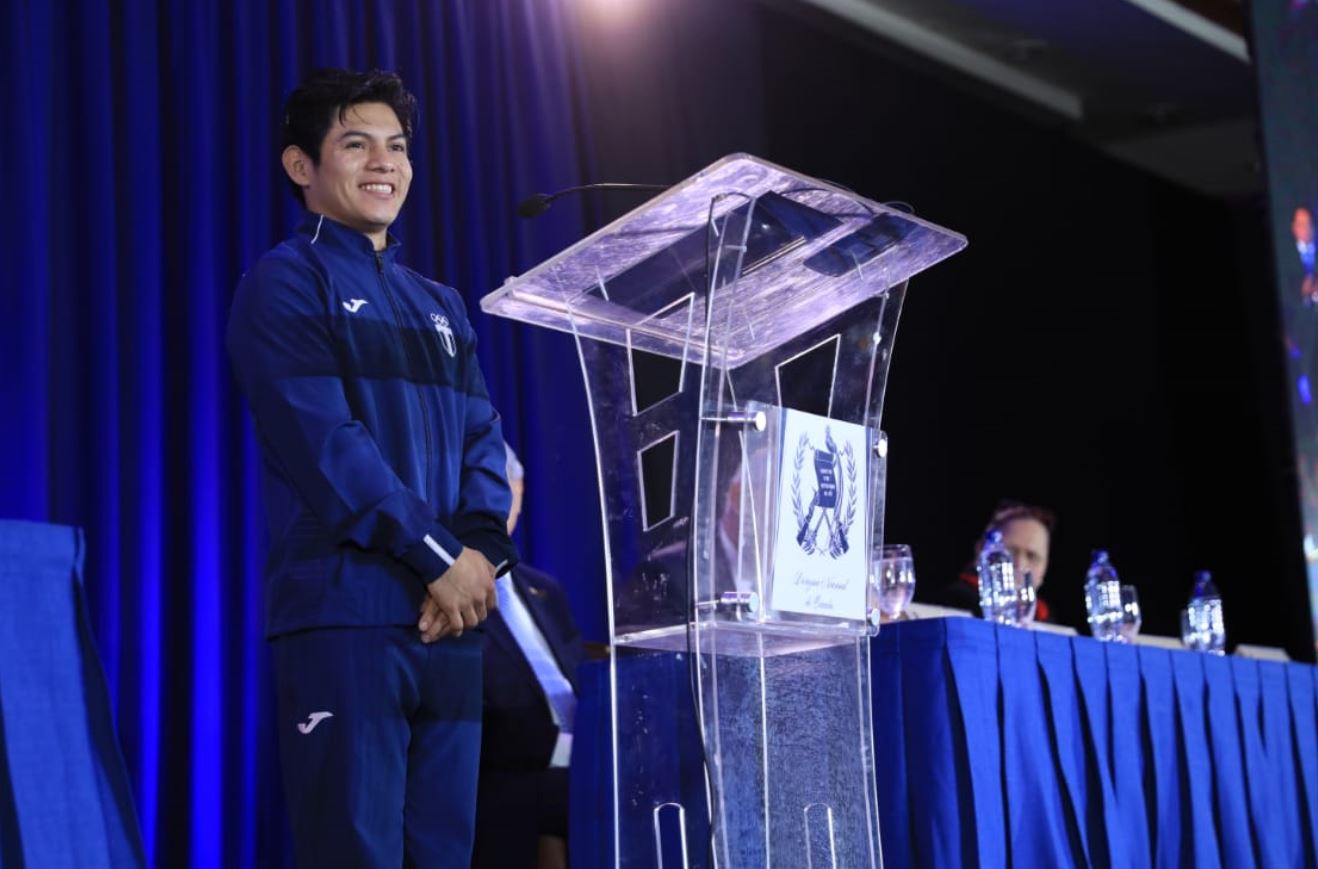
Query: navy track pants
[379, 740]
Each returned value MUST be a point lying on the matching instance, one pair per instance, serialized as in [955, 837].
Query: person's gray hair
[513, 468]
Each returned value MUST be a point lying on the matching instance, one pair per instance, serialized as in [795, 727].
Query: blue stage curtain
[143, 144]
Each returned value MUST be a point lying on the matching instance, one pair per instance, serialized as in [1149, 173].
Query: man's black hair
[312, 107]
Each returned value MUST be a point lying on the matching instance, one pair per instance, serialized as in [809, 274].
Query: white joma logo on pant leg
[310, 724]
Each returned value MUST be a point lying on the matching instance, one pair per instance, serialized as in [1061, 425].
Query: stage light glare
[614, 13]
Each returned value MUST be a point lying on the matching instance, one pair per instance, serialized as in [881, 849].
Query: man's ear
[297, 165]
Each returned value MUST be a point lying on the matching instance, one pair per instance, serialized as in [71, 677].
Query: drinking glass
[1129, 626]
[1214, 628]
[1026, 602]
[895, 575]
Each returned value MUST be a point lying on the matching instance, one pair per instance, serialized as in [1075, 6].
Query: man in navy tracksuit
[383, 481]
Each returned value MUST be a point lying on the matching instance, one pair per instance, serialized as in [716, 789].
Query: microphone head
[534, 205]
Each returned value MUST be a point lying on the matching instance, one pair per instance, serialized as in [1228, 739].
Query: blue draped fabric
[1001, 747]
[1126, 708]
[143, 137]
[64, 793]
[1217, 754]
[591, 783]
[674, 762]
[1225, 747]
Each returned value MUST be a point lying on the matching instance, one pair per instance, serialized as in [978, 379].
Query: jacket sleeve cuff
[432, 555]
[495, 545]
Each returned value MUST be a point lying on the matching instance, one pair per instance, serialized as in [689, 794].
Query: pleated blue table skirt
[1003, 747]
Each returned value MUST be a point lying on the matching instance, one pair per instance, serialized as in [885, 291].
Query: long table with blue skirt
[1005, 747]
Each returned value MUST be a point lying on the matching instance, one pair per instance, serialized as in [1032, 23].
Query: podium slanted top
[813, 251]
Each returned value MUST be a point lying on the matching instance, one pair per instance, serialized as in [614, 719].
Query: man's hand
[461, 598]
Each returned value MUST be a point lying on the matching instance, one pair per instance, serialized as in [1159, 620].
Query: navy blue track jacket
[382, 456]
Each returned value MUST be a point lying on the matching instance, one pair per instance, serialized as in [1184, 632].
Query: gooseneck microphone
[538, 203]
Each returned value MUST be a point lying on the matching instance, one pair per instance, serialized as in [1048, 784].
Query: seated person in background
[532, 649]
[1027, 531]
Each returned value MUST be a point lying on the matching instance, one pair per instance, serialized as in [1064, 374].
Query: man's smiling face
[364, 171]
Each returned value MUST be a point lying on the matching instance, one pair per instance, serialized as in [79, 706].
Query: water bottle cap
[1202, 576]
[994, 536]
[1100, 556]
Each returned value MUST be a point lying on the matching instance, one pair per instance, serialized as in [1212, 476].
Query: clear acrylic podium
[709, 323]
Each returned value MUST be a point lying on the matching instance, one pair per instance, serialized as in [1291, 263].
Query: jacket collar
[320, 230]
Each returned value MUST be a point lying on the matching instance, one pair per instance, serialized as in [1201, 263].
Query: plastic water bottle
[1205, 612]
[1103, 598]
[997, 580]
